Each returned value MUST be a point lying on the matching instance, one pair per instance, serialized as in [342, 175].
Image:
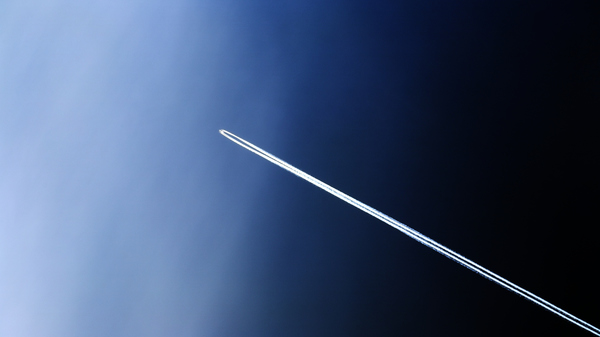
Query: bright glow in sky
[113, 218]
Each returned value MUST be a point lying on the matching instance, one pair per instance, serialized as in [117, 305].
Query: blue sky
[123, 212]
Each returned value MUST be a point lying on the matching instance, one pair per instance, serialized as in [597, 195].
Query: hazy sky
[113, 213]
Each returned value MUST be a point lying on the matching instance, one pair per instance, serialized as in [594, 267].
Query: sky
[123, 211]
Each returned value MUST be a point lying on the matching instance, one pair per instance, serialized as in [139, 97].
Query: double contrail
[414, 234]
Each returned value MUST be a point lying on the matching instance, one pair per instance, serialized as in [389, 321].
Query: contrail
[415, 235]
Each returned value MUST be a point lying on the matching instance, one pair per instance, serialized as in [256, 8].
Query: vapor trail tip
[234, 138]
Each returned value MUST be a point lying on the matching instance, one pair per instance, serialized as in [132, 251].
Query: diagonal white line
[414, 234]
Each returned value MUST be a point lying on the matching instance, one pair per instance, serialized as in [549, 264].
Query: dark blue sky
[123, 212]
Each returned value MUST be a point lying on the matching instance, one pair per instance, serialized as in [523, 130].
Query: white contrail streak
[415, 235]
